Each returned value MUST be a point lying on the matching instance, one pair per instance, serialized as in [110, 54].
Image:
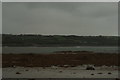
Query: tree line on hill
[57, 40]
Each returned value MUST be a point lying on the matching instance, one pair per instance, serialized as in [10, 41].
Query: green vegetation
[58, 40]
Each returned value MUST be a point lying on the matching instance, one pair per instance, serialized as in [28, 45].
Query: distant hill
[58, 40]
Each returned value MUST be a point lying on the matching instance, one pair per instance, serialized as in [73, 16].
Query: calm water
[54, 49]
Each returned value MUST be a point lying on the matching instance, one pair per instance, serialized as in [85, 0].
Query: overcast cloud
[60, 18]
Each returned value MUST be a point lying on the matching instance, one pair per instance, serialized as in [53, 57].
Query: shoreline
[65, 46]
[63, 64]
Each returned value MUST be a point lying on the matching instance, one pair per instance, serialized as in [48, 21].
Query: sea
[49, 50]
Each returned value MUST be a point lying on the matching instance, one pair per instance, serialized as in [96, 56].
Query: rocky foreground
[60, 72]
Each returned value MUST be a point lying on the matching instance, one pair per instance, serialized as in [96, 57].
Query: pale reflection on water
[98, 49]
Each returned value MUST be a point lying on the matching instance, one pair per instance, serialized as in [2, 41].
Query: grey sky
[61, 18]
[0, 19]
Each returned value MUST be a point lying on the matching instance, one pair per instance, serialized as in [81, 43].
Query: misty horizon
[55, 34]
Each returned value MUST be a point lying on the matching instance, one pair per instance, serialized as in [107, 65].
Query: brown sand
[46, 60]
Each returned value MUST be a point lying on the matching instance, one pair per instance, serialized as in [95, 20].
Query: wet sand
[63, 58]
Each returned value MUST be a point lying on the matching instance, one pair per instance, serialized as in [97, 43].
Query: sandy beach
[60, 65]
[60, 72]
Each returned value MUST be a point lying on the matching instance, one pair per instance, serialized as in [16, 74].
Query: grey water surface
[39, 50]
